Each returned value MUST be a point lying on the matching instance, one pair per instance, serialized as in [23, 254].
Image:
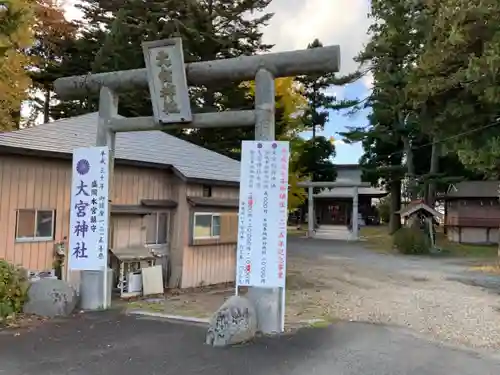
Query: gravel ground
[350, 284]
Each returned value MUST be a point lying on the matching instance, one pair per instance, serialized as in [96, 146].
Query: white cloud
[71, 12]
[335, 91]
[298, 22]
[367, 80]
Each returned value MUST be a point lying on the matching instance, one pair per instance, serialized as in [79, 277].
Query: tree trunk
[498, 248]
[16, 117]
[410, 166]
[313, 177]
[433, 171]
[395, 192]
[46, 106]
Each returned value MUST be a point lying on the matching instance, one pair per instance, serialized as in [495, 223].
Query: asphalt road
[113, 344]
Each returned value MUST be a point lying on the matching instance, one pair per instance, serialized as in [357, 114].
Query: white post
[354, 221]
[310, 212]
[267, 301]
[108, 108]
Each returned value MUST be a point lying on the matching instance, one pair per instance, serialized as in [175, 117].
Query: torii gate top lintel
[282, 64]
[328, 184]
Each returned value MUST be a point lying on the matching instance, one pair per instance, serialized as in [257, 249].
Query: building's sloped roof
[474, 189]
[157, 147]
[347, 167]
[414, 207]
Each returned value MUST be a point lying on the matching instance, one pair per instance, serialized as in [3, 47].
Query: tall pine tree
[318, 152]
[458, 79]
[52, 34]
[388, 55]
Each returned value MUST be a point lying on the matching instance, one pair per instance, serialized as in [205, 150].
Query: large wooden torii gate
[310, 202]
[261, 68]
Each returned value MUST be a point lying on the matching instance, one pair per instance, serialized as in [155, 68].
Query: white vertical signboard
[262, 227]
[88, 238]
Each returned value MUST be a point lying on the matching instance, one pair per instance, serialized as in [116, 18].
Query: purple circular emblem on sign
[275, 145]
[83, 167]
[259, 145]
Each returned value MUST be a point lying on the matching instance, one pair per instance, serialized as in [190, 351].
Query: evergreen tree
[316, 159]
[111, 33]
[391, 129]
[52, 33]
[319, 101]
[457, 79]
[414, 103]
[317, 154]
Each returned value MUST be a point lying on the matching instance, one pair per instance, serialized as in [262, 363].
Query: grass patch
[379, 239]
[320, 324]
[464, 250]
[493, 269]
[294, 230]
[22, 321]
[149, 306]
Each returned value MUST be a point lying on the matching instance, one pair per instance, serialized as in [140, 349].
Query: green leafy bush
[13, 290]
[412, 241]
[384, 210]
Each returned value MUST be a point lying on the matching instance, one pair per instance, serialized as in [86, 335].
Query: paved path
[111, 344]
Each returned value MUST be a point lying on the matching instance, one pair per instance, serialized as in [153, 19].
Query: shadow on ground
[490, 283]
[111, 343]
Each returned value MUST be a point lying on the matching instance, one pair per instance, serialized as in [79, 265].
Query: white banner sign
[89, 218]
[262, 228]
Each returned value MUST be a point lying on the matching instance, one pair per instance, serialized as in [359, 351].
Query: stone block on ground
[50, 298]
[235, 322]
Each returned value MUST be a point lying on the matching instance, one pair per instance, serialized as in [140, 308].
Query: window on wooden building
[157, 228]
[35, 225]
[206, 225]
[207, 191]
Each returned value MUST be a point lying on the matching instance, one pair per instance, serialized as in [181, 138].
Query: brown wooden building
[168, 194]
[472, 212]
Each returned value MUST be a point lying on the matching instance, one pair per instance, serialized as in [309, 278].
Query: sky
[297, 23]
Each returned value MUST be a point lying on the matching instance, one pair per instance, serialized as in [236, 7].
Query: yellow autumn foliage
[16, 18]
[290, 100]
